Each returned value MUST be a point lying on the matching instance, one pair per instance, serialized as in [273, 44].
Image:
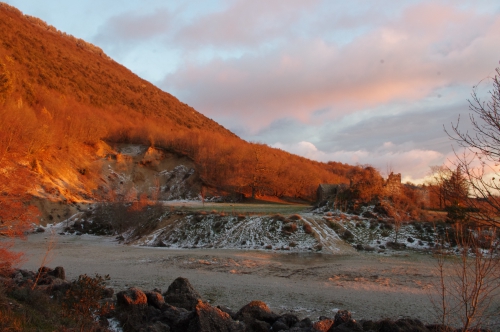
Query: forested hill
[62, 101]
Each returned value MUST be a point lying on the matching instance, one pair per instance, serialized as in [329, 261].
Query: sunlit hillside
[63, 103]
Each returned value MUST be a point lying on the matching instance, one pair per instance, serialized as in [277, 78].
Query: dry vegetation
[59, 97]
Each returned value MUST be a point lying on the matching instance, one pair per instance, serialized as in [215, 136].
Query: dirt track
[369, 285]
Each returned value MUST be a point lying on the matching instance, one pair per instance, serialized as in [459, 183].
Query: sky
[359, 82]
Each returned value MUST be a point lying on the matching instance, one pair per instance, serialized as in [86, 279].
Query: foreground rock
[181, 308]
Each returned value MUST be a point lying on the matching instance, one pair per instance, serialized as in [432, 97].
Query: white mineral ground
[371, 286]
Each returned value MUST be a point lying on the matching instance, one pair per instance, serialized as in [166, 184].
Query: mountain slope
[42, 56]
[65, 105]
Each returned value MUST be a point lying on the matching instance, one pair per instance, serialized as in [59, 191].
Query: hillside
[65, 108]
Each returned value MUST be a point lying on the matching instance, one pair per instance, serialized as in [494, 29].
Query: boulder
[208, 318]
[257, 310]
[323, 325]
[182, 294]
[157, 327]
[58, 273]
[131, 297]
[387, 325]
[155, 299]
[285, 322]
[438, 328]
[306, 323]
[342, 316]
[413, 325]
[227, 311]
[177, 318]
[349, 326]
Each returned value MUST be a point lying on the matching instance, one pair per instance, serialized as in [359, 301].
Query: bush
[347, 236]
[82, 301]
[335, 226]
[307, 228]
[291, 227]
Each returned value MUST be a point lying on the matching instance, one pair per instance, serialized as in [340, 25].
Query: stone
[208, 318]
[349, 326]
[131, 297]
[342, 316]
[177, 318]
[257, 310]
[155, 299]
[285, 322]
[323, 325]
[182, 294]
[158, 327]
[59, 273]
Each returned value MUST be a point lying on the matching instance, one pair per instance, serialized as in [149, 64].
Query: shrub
[347, 235]
[334, 225]
[82, 301]
[292, 227]
[307, 228]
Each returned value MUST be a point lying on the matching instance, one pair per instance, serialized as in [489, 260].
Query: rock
[177, 318]
[155, 299]
[131, 297]
[342, 316]
[208, 318]
[279, 326]
[388, 326]
[369, 325]
[108, 293]
[305, 323]
[413, 325]
[257, 326]
[158, 327]
[257, 310]
[227, 311]
[285, 322]
[349, 326]
[182, 294]
[323, 325]
[40, 230]
[438, 328]
[58, 273]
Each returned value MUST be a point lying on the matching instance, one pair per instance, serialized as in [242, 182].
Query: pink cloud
[244, 23]
[413, 163]
[134, 26]
[406, 59]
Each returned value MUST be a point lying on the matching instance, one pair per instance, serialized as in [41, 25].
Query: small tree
[467, 283]
[16, 215]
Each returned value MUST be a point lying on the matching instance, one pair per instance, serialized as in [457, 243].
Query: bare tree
[468, 283]
[480, 159]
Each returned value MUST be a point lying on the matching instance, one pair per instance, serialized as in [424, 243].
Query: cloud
[132, 27]
[406, 58]
[245, 24]
[414, 163]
